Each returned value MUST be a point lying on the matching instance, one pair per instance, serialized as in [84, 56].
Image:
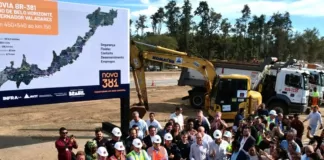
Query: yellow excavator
[205, 67]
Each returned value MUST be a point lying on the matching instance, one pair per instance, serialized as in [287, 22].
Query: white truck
[283, 88]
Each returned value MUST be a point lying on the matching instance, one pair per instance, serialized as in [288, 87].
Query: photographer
[65, 144]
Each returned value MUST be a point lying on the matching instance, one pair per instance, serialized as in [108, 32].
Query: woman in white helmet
[119, 152]
[102, 153]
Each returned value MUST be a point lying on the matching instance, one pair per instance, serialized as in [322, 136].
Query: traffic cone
[152, 83]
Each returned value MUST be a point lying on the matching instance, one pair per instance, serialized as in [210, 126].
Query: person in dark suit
[148, 139]
[247, 141]
[237, 153]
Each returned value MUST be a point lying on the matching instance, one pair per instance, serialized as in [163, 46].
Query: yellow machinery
[203, 66]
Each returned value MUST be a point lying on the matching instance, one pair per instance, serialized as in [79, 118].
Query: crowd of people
[264, 135]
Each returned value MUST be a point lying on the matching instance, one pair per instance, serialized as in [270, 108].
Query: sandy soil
[29, 133]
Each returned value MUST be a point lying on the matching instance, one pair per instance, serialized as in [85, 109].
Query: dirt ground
[29, 133]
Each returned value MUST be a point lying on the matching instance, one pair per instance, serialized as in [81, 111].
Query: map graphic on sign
[27, 72]
[58, 52]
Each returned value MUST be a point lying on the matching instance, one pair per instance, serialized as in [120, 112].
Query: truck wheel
[279, 107]
[197, 100]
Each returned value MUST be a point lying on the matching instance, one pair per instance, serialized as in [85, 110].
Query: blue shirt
[284, 144]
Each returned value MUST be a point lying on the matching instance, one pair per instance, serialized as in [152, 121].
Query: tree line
[214, 37]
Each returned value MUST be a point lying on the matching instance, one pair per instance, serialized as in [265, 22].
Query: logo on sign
[179, 60]
[291, 89]
[76, 93]
[60, 94]
[30, 96]
[45, 96]
[168, 60]
[110, 79]
[8, 98]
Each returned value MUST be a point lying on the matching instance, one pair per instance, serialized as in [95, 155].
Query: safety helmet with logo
[116, 132]
[102, 151]
[168, 137]
[217, 134]
[137, 143]
[157, 139]
[119, 146]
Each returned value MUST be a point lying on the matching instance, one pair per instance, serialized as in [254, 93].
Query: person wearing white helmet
[217, 148]
[116, 134]
[157, 151]
[102, 153]
[119, 152]
[137, 153]
[228, 138]
[171, 148]
[272, 117]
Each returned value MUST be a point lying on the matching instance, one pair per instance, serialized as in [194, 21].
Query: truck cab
[286, 90]
[316, 80]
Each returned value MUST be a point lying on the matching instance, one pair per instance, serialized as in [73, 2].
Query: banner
[54, 52]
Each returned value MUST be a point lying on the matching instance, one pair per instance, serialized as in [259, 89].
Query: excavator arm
[171, 57]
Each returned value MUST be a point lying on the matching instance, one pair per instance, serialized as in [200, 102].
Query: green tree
[154, 22]
[140, 24]
[172, 16]
[185, 26]
[160, 18]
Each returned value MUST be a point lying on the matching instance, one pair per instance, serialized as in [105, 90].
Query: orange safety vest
[157, 155]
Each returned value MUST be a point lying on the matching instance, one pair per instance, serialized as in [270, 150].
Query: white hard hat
[102, 151]
[116, 132]
[137, 143]
[168, 137]
[119, 146]
[217, 134]
[273, 112]
[157, 139]
[227, 134]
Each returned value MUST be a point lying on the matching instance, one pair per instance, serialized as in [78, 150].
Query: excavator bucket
[140, 109]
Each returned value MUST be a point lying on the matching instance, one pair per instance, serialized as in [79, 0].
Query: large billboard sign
[53, 52]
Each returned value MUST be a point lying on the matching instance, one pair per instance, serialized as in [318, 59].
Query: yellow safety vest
[315, 94]
[135, 156]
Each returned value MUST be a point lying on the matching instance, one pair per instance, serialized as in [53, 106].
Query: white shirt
[206, 139]
[314, 118]
[155, 123]
[243, 142]
[177, 119]
[220, 150]
[198, 152]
